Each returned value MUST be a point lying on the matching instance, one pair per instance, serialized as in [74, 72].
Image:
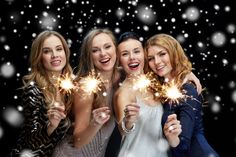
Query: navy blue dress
[192, 140]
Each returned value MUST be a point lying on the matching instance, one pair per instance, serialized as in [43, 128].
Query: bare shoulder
[124, 94]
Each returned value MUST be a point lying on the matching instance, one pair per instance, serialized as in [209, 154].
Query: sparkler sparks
[92, 83]
[143, 82]
[172, 92]
[65, 83]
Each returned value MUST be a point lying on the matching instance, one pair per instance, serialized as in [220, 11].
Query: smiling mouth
[56, 62]
[105, 60]
[133, 65]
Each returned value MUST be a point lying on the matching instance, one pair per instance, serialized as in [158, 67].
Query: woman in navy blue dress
[167, 59]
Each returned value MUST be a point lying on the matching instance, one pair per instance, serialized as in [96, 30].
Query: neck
[107, 77]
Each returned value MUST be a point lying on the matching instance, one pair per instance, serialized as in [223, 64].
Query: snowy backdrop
[205, 28]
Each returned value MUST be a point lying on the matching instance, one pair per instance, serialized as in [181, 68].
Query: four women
[138, 113]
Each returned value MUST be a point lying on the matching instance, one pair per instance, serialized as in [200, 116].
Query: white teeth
[133, 64]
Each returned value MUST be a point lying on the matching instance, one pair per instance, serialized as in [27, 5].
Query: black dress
[33, 136]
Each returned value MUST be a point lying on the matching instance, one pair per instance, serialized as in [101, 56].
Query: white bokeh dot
[218, 39]
[48, 1]
[215, 107]
[234, 96]
[13, 117]
[231, 28]
[7, 70]
[1, 132]
[192, 13]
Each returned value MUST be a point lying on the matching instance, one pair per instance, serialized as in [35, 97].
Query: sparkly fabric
[33, 136]
[95, 148]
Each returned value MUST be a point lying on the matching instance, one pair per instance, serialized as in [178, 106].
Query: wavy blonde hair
[38, 72]
[86, 64]
[178, 59]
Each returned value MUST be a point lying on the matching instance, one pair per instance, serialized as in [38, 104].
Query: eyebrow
[136, 48]
[156, 53]
[108, 43]
[56, 46]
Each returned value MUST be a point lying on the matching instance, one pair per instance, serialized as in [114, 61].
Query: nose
[54, 54]
[131, 56]
[157, 60]
[102, 52]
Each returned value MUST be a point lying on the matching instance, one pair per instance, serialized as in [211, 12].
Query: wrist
[174, 142]
[50, 128]
[125, 129]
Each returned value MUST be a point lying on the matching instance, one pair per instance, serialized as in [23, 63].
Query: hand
[55, 114]
[101, 116]
[131, 113]
[172, 130]
[193, 78]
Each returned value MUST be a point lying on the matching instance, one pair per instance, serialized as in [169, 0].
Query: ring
[170, 128]
[102, 115]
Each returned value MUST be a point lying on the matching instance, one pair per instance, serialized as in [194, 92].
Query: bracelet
[125, 129]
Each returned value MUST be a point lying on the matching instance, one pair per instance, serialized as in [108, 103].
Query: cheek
[113, 53]
[122, 61]
[45, 59]
[151, 64]
[94, 58]
[64, 56]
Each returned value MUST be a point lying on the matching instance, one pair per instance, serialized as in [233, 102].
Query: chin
[160, 74]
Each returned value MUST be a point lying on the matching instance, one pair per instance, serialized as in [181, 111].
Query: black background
[215, 64]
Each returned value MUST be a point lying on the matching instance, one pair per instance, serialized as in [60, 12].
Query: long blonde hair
[86, 64]
[178, 59]
[38, 73]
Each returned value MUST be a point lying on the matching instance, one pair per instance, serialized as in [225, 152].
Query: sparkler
[143, 82]
[65, 83]
[172, 92]
[92, 83]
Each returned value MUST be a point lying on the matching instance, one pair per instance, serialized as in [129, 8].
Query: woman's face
[53, 55]
[159, 61]
[103, 53]
[131, 55]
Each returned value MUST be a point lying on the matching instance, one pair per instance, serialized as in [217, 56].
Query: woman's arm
[186, 114]
[87, 121]
[126, 110]
[195, 80]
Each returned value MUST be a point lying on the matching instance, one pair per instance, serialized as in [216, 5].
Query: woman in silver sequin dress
[93, 117]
